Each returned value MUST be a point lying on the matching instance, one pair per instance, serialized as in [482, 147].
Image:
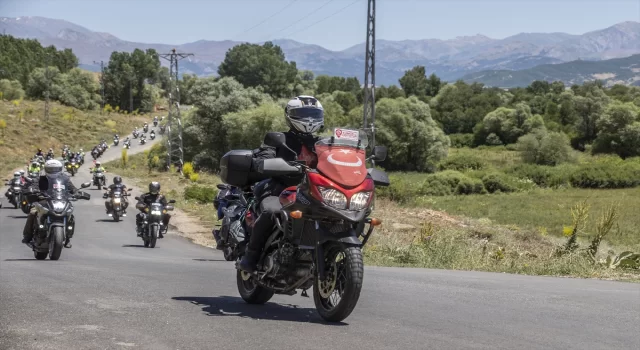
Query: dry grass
[26, 129]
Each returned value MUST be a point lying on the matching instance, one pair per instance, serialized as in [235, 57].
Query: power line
[326, 18]
[268, 18]
[301, 19]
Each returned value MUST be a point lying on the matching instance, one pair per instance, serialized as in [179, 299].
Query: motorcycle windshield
[117, 194]
[57, 188]
[341, 157]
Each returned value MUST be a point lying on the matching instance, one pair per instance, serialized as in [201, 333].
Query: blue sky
[182, 21]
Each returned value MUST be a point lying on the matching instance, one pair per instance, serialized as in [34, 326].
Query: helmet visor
[303, 114]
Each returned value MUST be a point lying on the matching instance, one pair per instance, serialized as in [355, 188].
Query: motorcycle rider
[98, 167]
[304, 116]
[16, 176]
[53, 170]
[22, 177]
[147, 199]
[153, 133]
[39, 153]
[50, 154]
[34, 167]
[117, 185]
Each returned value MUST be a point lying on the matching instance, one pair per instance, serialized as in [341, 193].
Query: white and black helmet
[53, 167]
[305, 114]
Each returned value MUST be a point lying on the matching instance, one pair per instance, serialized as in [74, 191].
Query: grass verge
[23, 129]
[417, 236]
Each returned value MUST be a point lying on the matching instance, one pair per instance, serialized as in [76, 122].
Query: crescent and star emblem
[349, 164]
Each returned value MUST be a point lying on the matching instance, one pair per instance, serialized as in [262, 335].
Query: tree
[589, 109]
[205, 134]
[12, 90]
[127, 73]
[540, 147]
[618, 128]
[415, 141]
[77, 88]
[260, 66]
[40, 79]
[246, 128]
[329, 84]
[507, 125]
[414, 82]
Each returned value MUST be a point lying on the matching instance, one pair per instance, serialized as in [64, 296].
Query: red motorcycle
[321, 224]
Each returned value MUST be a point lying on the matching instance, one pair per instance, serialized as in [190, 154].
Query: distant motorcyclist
[50, 154]
[98, 168]
[16, 177]
[53, 170]
[304, 116]
[117, 185]
[145, 201]
[34, 167]
[39, 153]
[22, 177]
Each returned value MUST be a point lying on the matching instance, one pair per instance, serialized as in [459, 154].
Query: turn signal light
[146, 210]
[376, 222]
[297, 214]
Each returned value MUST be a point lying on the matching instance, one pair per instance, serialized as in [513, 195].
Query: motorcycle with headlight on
[54, 209]
[320, 224]
[153, 223]
[14, 192]
[117, 203]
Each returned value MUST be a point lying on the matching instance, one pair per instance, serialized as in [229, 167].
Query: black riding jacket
[43, 183]
[148, 198]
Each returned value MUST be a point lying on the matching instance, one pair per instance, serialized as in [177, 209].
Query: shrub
[450, 182]
[462, 162]
[461, 140]
[3, 126]
[498, 182]
[200, 194]
[607, 175]
[545, 148]
[11, 90]
[194, 177]
[124, 158]
[187, 170]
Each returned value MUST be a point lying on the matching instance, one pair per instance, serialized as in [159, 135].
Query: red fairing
[319, 180]
[288, 196]
[342, 164]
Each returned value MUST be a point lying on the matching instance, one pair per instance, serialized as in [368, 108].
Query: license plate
[156, 212]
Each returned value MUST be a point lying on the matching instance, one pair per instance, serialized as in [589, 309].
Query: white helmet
[16, 174]
[304, 114]
[21, 172]
[53, 167]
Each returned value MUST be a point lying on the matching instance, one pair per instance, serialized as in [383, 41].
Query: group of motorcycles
[320, 227]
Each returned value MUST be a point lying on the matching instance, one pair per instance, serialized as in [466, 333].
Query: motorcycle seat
[271, 205]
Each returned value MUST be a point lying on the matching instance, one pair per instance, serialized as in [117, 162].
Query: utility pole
[130, 96]
[46, 93]
[175, 152]
[369, 117]
[101, 84]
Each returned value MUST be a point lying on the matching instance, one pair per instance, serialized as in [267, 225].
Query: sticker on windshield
[346, 134]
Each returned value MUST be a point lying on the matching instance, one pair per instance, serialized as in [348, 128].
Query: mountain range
[464, 57]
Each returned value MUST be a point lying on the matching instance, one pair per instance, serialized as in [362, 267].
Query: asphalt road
[108, 292]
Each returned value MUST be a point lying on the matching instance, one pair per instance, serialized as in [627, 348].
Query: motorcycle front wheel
[55, 242]
[337, 296]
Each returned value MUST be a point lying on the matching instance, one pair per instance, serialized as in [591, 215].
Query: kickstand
[304, 294]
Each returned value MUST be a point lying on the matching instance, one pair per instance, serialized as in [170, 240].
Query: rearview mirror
[221, 187]
[274, 139]
[129, 189]
[137, 198]
[172, 201]
[379, 153]
[379, 177]
[85, 185]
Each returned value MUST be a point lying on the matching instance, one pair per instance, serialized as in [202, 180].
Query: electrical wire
[301, 19]
[268, 18]
[326, 18]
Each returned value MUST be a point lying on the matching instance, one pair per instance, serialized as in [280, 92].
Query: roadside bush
[156, 156]
[194, 177]
[450, 182]
[499, 182]
[200, 194]
[462, 162]
[607, 173]
[187, 170]
[461, 140]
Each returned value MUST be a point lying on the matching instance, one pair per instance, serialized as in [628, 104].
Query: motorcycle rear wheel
[344, 277]
[250, 291]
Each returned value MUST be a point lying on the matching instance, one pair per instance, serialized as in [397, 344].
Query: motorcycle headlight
[333, 197]
[58, 206]
[116, 200]
[156, 212]
[359, 200]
